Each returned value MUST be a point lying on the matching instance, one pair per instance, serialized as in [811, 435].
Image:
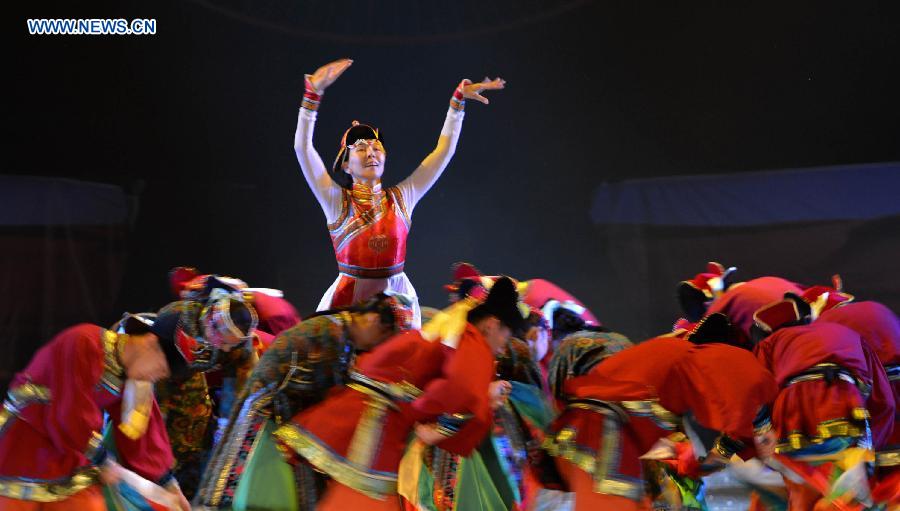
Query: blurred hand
[498, 393]
[474, 90]
[328, 74]
[110, 473]
[765, 444]
[175, 490]
[428, 434]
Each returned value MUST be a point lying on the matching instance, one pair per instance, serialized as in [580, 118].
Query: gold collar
[366, 196]
[113, 369]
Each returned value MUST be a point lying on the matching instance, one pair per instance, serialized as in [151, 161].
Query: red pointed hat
[790, 311]
[823, 298]
[462, 271]
[696, 293]
[180, 277]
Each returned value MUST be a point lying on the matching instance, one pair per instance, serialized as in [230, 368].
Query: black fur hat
[502, 302]
[165, 327]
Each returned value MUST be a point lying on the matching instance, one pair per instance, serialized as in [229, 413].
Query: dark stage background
[195, 125]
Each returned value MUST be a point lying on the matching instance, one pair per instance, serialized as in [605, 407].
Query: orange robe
[360, 432]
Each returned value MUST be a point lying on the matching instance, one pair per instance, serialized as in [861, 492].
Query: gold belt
[598, 406]
[826, 430]
[830, 372]
[648, 408]
[403, 391]
[888, 458]
[819, 376]
[819, 371]
[49, 491]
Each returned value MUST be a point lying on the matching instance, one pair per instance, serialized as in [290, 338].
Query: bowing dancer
[623, 406]
[301, 366]
[880, 328]
[834, 408]
[52, 455]
[437, 382]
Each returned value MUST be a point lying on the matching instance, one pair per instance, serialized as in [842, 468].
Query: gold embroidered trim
[20, 397]
[888, 458]
[362, 220]
[401, 391]
[5, 418]
[651, 408]
[26, 394]
[113, 372]
[226, 453]
[367, 436]
[762, 430]
[50, 491]
[601, 468]
[842, 374]
[818, 376]
[374, 484]
[727, 447]
[400, 205]
[95, 445]
[345, 210]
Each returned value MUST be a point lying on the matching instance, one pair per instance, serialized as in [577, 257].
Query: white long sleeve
[327, 192]
[421, 180]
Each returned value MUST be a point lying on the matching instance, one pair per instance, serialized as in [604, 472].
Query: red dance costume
[51, 424]
[879, 327]
[369, 240]
[625, 404]
[358, 435]
[743, 299]
[810, 407]
[368, 225]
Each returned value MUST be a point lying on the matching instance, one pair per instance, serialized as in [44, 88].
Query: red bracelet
[458, 101]
[311, 98]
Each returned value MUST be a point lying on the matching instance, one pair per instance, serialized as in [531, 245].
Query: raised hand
[327, 74]
[472, 90]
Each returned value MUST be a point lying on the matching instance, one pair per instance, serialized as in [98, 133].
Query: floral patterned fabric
[299, 368]
[188, 411]
[187, 405]
[517, 364]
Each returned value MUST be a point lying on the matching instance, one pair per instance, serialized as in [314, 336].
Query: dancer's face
[495, 333]
[365, 161]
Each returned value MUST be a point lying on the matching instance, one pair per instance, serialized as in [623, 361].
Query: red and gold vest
[369, 236]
